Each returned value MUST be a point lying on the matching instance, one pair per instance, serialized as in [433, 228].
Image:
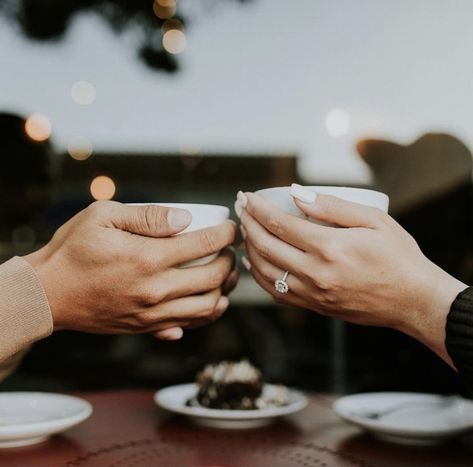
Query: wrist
[39, 262]
[437, 291]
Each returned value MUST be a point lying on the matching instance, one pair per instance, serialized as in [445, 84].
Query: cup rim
[314, 187]
[181, 205]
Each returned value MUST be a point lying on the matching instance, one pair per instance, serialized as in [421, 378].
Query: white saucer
[408, 418]
[174, 399]
[32, 417]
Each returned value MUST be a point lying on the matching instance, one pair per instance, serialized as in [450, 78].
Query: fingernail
[238, 208]
[174, 334]
[243, 231]
[222, 304]
[246, 263]
[179, 218]
[241, 197]
[303, 194]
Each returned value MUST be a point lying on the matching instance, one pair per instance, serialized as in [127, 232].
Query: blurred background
[192, 100]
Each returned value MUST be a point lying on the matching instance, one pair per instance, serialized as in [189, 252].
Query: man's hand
[115, 269]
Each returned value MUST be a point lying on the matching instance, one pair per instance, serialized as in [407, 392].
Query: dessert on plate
[232, 385]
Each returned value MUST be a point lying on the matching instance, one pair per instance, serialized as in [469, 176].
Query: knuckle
[149, 298]
[152, 217]
[98, 208]
[275, 225]
[326, 205]
[263, 249]
[207, 312]
[209, 241]
[325, 280]
[143, 264]
[333, 251]
[328, 301]
[216, 278]
[145, 319]
[230, 232]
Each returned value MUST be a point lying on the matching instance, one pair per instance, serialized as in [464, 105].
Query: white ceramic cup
[281, 197]
[203, 216]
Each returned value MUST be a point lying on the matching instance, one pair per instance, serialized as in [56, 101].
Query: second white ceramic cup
[281, 197]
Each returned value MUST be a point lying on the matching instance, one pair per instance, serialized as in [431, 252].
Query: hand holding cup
[116, 269]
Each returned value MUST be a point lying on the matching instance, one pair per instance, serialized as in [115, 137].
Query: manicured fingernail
[222, 304]
[246, 263]
[179, 218]
[243, 231]
[238, 208]
[303, 194]
[241, 197]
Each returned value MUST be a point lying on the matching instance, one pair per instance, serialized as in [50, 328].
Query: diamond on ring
[281, 285]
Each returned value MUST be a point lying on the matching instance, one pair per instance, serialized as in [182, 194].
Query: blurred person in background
[112, 269]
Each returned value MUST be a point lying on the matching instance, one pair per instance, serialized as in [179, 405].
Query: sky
[260, 77]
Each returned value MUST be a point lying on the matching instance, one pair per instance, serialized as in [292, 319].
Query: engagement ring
[281, 285]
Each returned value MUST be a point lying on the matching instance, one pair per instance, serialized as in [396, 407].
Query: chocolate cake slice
[229, 385]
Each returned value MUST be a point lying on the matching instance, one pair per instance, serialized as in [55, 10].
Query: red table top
[128, 430]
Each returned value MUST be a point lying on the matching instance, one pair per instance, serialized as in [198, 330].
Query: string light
[102, 188]
[38, 127]
[79, 149]
[83, 92]
[174, 41]
[337, 123]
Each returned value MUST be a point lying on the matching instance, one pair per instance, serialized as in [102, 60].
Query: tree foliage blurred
[49, 20]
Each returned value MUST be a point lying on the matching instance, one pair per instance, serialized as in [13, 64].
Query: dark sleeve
[459, 335]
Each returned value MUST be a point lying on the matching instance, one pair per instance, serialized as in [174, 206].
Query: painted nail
[243, 231]
[242, 198]
[303, 194]
[246, 263]
[179, 218]
[238, 208]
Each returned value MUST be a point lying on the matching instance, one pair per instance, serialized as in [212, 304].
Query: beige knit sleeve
[25, 316]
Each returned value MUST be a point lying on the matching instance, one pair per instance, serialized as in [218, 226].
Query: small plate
[408, 418]
[174, 399]
[32, 417]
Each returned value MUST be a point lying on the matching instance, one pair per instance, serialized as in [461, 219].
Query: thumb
[333, 210]
[149, 220]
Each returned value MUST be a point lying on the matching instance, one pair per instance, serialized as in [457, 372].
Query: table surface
[128, 430]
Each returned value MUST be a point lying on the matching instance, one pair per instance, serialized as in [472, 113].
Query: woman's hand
[115, 269]
[363, 268]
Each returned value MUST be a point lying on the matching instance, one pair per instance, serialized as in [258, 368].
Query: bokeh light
[102, 188]
[38, 127]
[337, 123]
[172, 23]
[83, 92]
[167, 3]
[174, 41]
[162, 11]
[79, 148]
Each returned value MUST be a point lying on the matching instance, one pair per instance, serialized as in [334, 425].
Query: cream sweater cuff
[25, 316]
